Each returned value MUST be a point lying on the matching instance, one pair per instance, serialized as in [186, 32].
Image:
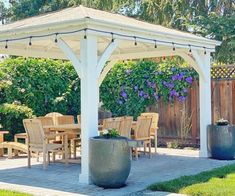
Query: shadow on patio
[167, 164]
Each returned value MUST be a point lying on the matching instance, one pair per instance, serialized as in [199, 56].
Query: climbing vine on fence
[132, 86]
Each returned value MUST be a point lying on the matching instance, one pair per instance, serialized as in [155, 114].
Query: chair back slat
[65, 119]
[143, 127]
[54, 116]
[34, 130]
[125, 126]
[79, 119]
[155, 120]
[46, 121]
[112, 123]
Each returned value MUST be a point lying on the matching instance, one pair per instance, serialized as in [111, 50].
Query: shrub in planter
[221, 140]
[11, 118]
[110, 161]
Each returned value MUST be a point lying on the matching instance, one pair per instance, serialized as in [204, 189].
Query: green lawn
[12, 193]
[216, 182]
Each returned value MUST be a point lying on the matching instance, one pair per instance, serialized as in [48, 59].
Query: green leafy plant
[110, 133]
[11, 118]
[136, 85]
[222, 122]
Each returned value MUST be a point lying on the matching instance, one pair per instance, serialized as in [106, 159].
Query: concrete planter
[110, 161]
[221, 141]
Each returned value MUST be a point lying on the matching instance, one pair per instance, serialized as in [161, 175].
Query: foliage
[11, 117]
[207, 18]
[220, 181]
[12, 193]
[111, 133]
[222, 122]
[43, 85]
[220, 28]
[136, 85]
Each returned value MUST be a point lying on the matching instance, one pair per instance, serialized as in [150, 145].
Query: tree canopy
[211, 18]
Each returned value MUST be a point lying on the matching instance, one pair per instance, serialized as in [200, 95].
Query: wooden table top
[66, 127]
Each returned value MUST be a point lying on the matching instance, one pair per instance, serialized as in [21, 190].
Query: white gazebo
[94, 41]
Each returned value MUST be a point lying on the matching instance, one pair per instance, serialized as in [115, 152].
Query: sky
[6, 2]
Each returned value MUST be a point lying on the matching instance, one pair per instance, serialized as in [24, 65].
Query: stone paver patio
[61, 180]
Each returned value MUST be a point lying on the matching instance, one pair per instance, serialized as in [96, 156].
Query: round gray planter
[221, 141]
[110, 161]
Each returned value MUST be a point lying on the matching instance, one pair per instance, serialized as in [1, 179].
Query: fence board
[171, 116]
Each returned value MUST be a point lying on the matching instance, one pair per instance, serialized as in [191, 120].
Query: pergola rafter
[90, 38]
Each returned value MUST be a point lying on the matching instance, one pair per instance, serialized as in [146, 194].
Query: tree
[211, 18]
[3, 13]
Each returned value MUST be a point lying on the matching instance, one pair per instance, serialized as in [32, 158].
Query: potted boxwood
[221, 140]
[110, 159]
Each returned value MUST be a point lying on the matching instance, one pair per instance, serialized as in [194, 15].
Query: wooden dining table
[70, 128]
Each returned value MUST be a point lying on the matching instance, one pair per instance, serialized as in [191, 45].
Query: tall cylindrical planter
[110, 161]
[221, 141]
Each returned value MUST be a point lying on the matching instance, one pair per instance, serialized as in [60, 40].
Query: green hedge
[42, 84]
[11, 117]
[46, 85]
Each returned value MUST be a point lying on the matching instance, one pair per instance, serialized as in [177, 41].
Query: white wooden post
[205, 99]
[89, 101]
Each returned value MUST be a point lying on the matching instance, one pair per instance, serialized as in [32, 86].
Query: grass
[216, 182]
[12, 193]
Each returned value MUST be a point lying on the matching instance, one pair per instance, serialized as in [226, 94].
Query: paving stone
[60, 180]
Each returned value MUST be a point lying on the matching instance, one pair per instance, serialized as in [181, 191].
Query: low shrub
[11, 117]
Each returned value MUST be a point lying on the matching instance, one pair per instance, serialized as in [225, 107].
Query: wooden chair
[46, 121]
[38, 141]
[125, 126]
[79, 119]
[112, 123]
[143, 133]
[54, 116]
[74, 140]
[2, 140]
[154, 126]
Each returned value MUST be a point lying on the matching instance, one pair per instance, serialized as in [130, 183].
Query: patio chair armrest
[4, 132]
[52, 135]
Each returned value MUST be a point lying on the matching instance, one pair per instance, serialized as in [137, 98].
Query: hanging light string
[55, 35]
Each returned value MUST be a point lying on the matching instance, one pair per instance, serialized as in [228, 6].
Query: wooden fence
[180, 121]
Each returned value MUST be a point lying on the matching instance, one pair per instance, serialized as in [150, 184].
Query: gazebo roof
[82, 17]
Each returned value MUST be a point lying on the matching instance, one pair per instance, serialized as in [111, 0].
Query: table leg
[1, 140]
[16, 152]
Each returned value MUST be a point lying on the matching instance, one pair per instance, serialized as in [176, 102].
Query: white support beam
[67, 50]
[89, 101]
[205, 102]
[106, 55]
[106, 69]
[201, 63]
[147, 54]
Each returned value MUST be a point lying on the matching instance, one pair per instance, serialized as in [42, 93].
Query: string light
[56, 39]
[105, 32]
[6, 46]
[85, 36]
[190, 49]
[135, 41]
[30, 41]
[173, 46]
[112, 37]
[155, 44]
